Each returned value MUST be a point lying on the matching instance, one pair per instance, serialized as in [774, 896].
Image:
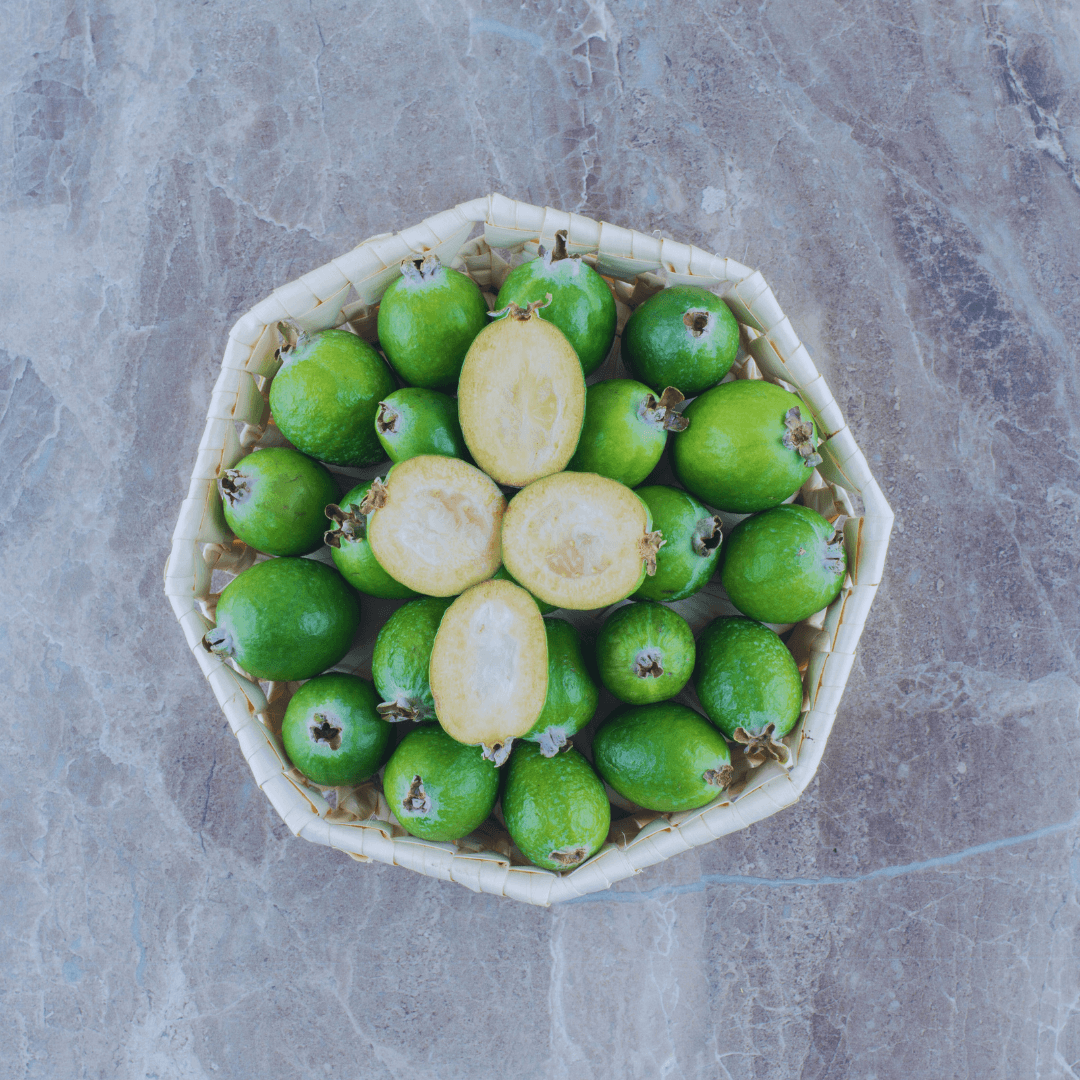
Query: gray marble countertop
[906, 176]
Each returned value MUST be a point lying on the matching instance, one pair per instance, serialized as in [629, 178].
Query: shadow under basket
[485, 238]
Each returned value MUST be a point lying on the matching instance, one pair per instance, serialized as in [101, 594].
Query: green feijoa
[332, 732]
[554, 807]
[415, 420]
[691, 548]
[572, 696]
[625, 430]
[749, 686]
[325, 395]
[582, 305]
[399, 664]
[750, 445]
[438, 788]
[274, 500]
[285, 619]
[684, 337]
[502, 574]
[783, 565]
[663, 757]
[427, 320]
[351, 552]
[645, 652]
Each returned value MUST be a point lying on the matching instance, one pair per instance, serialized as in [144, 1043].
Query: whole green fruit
[402, 654]
[285, 619]
[645, 653]
[415, 420]
[572, 696]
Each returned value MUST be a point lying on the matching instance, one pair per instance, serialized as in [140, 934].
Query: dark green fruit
[749, 446]
[572, 696]
[351, 552]
[691, 548]
[645, 653]
[332, 732]
[427, 320]
[625, 430]
[285, 619]
[439, 789]
[663, 757]
[402, 654]
[274, 500]
[684, 337]
[415, 421]
[325, 396]
[555, 807]
[582, 305]
[749, 685]
[783, 565]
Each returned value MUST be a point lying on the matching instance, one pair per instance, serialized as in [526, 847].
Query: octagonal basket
[485, 238]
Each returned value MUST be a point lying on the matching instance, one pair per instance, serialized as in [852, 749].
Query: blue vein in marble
[514, 33]
[881, 872]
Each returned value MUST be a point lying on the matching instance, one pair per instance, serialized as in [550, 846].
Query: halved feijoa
[489, 667]
[274, 500]
[572, 696]
[521, 398]
[332, 732]
[438, 788]
[663, 757]
[692, 544]
[749, 685]
[415, 420]
[578, 540]
[554, 807]
[285, 619]
[645, 652]
[351, 552]
[434, 525]
[402, 656]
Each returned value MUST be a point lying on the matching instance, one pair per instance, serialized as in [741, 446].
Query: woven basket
[346, 292]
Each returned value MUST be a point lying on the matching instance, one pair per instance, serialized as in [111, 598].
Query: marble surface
[906, 176]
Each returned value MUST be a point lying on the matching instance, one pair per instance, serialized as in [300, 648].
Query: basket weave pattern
[346, 291]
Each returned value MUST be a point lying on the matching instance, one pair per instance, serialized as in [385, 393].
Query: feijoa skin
[438, 788]
[274, 500]
[750, 445]
[572, 696]
[625, 430]
[783, 565]
[554, 807]
[325, 396]
[582, 305]
[749, 686]
[691, 551]
[414, 421]
[285, 619]
[402, 654]
[427, 320]
[351, 552]
[332, 732]
[645, 653]
[684, 337]
[663, 757]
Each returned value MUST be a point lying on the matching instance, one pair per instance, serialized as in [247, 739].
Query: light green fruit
[554, 807]
[645, 653]
[399, 665]
[415, 420]
[572, 696]
[438, 788]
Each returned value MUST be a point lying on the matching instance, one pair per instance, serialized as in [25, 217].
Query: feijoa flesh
[645, 653]
[663, 757]
[415, 420]
[285, 619]
[784, 564]
[332, 731]
[502, 574]
[438, 788]
[274, 500]
[555, 808]
[749, 686]
[402, 657]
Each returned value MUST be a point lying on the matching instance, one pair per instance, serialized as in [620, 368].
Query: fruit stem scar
[417, 269]
[559, 252]
[661, 413]
[718, 777]
[233, 486]
[649, 664]
[376, 497]
[496, 752]
[522, 314]
[707, 536]
[322, 730]
[387, 418]
[218, 640]
[289, 336]
[648, 546]
[401, 708]
[552, 741]
[348, 524]
[697, 322]
[417, 801]
[569, 856]
[800, 437]
[762, 746]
